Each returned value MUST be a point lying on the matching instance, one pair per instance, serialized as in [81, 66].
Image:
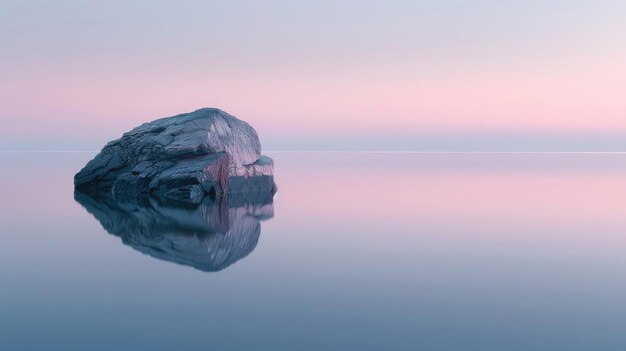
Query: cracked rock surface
[186, 157]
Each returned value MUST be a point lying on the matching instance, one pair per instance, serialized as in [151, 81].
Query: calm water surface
[357, 252]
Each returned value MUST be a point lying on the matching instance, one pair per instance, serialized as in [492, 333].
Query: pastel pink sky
[75, 75]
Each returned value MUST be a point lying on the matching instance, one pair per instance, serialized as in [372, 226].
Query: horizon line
[362, 152]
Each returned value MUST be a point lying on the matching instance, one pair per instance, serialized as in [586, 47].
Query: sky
[446, 75]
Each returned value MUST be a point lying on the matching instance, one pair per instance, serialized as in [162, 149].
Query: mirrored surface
[209, 236]
[365, 251]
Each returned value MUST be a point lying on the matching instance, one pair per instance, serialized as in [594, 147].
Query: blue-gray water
[367, 251]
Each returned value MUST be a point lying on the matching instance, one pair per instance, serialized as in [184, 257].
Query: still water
[358, 251]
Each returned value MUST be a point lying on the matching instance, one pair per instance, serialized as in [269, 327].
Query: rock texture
[185, 157]
[208, 236]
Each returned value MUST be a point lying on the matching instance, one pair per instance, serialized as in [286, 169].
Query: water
[358, 251]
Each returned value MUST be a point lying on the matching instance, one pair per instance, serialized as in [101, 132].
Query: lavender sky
[441, 75]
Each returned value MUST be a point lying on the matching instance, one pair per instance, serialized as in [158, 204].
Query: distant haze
[445, 75]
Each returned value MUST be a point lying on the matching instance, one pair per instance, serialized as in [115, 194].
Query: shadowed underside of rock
[185, 157]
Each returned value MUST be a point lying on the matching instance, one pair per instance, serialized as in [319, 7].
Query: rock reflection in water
[209, 236]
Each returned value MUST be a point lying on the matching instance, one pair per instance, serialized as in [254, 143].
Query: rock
[185, 157]
[208, 236]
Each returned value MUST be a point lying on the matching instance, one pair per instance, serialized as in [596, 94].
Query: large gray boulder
[185, 157]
